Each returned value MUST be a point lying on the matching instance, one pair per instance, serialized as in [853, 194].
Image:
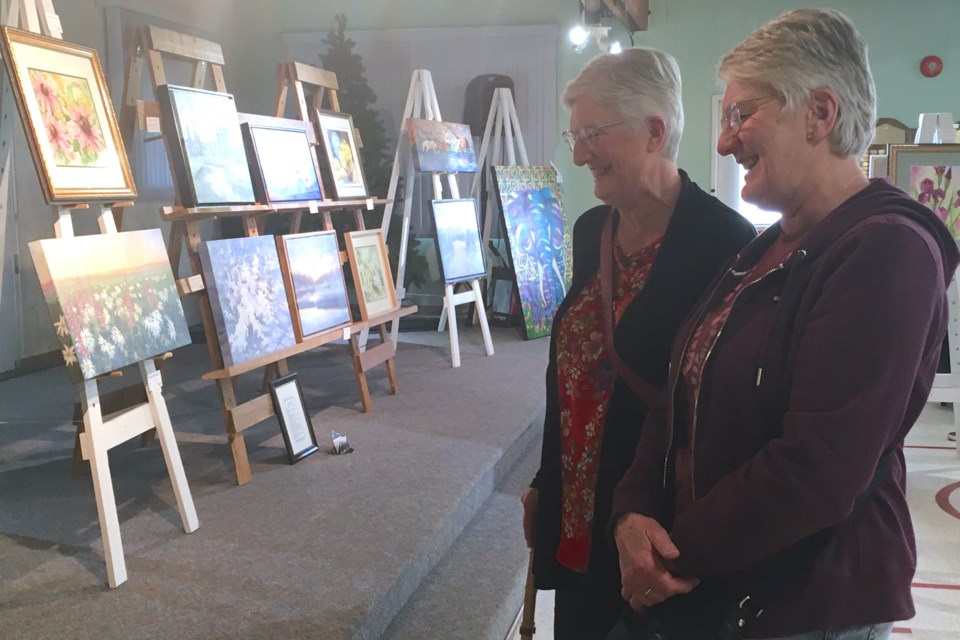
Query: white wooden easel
[422, 103]
[99, 434]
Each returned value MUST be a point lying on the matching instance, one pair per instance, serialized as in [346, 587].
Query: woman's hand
[646, 555]
[530, 500]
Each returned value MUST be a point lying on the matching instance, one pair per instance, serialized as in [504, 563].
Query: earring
[809, 135]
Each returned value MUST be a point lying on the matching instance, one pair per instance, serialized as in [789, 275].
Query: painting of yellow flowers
[69, 121]
[112, 299]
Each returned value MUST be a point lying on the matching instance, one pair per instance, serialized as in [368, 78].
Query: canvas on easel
[371, 272]
[443, 147]
[457, 235]
[343, 157]
[281, 160]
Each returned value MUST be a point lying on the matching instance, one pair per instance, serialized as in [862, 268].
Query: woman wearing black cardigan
[665, 240]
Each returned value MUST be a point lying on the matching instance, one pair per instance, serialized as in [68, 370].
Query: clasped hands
[646, 562]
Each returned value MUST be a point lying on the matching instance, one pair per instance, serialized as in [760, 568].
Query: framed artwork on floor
[291, 410]
[342, 154]
[282, 162]
[537, 240]
[457, 234]
[70, 125]
[314, 282]
[247, 298]
[930, 174]
[112, 299]
[371, 272]
[202, 134]
[445, 147]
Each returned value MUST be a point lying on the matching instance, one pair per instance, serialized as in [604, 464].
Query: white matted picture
[343, 156]
[295, 423]
[371, 272]
[458, 239]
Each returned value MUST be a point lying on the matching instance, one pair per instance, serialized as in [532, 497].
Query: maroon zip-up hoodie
[821, 368]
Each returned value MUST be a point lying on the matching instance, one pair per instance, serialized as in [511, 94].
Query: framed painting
[371, 272]
[445, 147]
[247, 297]
[342, 154]
[202, 134]
[70, 126]
[112, 299]
[537, 240]
[457, 234]
[281, 160]
[930, 174]
[291, 410]
[313, 277]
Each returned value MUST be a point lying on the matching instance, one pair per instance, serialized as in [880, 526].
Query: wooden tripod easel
[422, 103]
[100, 434]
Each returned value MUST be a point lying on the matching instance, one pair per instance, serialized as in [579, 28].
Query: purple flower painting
[936, 187]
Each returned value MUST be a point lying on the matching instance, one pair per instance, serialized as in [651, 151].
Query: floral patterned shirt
[586, 375]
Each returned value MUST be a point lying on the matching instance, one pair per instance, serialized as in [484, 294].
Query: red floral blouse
[586, 375]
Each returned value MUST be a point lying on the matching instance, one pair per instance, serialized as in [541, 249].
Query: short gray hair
[638, 83]
[807, 49]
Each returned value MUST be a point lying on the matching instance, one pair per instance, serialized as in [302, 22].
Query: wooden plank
[203, 213]
[251, 412]
[310, 343]
[283, 89]
[199, 73]
[157, 75]
[376, 355]
[219, 84]
[148, 116]
[183, 46]
[123, 426]
[315, 76]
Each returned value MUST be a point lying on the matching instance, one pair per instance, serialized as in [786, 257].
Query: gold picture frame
[68, 118]
[371, 272]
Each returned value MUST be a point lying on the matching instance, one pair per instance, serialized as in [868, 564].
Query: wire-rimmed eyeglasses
[731, 117]
[587, 135]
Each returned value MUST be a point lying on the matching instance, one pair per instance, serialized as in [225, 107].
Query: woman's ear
[822, 115]
[657, 128]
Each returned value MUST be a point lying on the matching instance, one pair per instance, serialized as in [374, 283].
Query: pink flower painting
[934, 186]
[70, 119]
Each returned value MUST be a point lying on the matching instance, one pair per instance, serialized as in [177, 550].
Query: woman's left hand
[645, 554]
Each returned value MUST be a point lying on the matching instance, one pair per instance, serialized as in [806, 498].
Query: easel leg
[482, 316]
[361, 374]
[391, 370]
[451, 309]
[238, 447]
[96, 453]
[153, 385]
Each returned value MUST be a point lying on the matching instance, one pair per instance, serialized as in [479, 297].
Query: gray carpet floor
[331, 547]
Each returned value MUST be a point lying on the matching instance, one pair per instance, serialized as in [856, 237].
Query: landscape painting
[371, 272]
[112, 299]
[205, 144]
[458, 239]
[247, 297]
[314, 282]
[282, 164]
[537, 240]
[445, 147]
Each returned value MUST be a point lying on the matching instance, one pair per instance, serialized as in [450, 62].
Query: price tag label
[369, 204]
[153, 124]
[53, 23]
[314, 208]
[346, 333]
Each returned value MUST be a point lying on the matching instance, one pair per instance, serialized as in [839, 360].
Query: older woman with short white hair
[639, 262]
[775, 480]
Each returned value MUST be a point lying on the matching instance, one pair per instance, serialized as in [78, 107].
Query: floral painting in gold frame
[930, 174]
[69, 121]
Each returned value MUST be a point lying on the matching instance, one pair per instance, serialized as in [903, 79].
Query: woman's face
[618, 157]
[771, 145]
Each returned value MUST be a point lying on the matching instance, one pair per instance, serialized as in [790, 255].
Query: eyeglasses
[731, 117]
[587, 135]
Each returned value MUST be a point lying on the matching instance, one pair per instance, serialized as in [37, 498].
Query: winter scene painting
[247, 297]
[314, 279]
[112, 299]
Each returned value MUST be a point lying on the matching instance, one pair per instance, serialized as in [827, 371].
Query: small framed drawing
[295, 423]
[343, 157]
[205, 146]
[281, 160]
[930, 174]
[70, 126]
[457, 234]
[310, 263]
[371, 272]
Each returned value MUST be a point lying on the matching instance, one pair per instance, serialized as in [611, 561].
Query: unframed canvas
[371, 272]
[247, 297]
[314, 282]
[205, 145]
[537, 240]
[68, 118]
[445, 147]
[112, 299]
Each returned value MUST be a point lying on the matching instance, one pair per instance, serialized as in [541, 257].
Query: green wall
[697, 32]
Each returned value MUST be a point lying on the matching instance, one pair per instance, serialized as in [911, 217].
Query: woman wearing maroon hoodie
[799, 373]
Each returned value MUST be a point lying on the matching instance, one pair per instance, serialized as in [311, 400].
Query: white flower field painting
[247, 297]
[112, 299]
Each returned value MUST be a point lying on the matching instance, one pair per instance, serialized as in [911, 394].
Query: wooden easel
[422, 103]
[99, 434]
[323, 83]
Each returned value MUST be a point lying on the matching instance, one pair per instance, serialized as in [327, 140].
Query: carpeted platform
[331, 547]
